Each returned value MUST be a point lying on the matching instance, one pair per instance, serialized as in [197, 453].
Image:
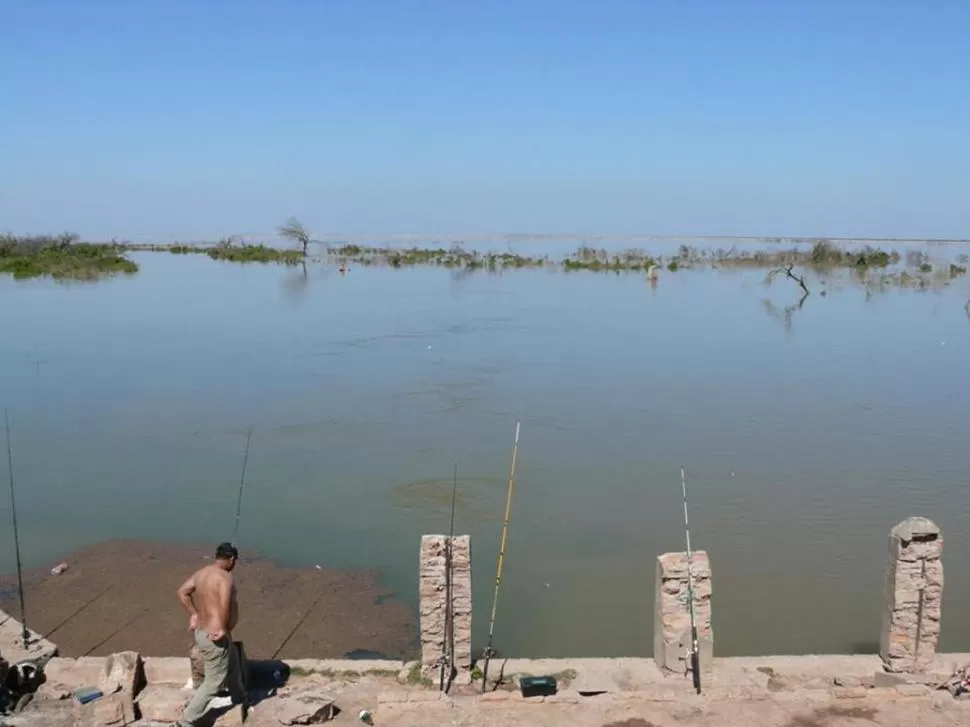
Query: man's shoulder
[208, 572]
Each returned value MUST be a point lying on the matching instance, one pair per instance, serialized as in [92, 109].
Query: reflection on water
[809, 432]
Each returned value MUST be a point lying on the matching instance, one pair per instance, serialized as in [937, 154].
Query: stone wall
[432, 593]
[914, 592]
[672, 635]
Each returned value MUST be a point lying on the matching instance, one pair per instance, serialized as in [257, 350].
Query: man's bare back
[209, 596]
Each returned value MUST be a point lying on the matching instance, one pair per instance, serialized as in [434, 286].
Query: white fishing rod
[694, 654]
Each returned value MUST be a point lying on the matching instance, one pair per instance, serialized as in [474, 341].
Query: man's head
[226, 555]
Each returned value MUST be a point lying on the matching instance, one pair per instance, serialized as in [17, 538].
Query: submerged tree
[295, 230]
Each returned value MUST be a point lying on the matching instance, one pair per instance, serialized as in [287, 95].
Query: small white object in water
[429, 346]
[317, 566]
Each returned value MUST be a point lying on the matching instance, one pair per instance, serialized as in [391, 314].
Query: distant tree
[294, 230]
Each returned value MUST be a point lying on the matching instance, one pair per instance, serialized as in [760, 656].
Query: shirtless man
[209, 596]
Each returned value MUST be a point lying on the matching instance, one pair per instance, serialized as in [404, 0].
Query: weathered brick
[672, 635]
[914, 591]
[433, 596]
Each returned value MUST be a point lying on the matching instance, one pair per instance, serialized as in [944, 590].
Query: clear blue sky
[189, 118]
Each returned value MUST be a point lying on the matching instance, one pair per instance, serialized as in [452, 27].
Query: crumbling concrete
[672, 632]
[167, 670]
[309, 707]
[37, 650]
[772, 690]
[123, 672]
[163, 704]
[914, 593]
[433, 598]
[112, 710]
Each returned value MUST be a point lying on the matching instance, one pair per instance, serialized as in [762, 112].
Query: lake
[806, 437]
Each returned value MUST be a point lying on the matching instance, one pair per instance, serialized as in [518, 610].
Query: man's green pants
[222, 671]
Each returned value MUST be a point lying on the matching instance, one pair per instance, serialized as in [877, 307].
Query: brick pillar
[671, 631]
[433, 598]
[914, 593]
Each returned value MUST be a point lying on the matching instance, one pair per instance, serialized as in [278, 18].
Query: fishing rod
[694, 654]
[25, 635]
[489, 652]
[448, 655]
[242, 487]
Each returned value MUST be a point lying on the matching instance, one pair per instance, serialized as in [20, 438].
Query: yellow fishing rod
[489, 652]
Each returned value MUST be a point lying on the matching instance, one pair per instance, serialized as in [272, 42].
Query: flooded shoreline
[808, 429]
[120, 595]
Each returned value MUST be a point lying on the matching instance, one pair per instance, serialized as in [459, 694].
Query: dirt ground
[603, 711]
[120, 595]
[740, 713]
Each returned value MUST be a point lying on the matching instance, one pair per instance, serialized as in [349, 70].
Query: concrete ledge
[175, 670]
[732, 677]
[71, 674]
[38, 648]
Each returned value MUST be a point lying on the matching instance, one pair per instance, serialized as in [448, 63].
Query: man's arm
[185, 597]
[223, 608]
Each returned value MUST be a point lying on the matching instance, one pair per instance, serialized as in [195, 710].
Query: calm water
[805, 443]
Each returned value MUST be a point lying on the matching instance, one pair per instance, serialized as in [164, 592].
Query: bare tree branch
[800, 279]
[295, 230]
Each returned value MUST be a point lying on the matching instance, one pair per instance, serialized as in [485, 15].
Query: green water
[805, 442]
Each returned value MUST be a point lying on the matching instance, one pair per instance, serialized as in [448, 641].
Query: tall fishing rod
[242, 487]
[448, 654]
[489, 652]
[694, 655]
[25, 634]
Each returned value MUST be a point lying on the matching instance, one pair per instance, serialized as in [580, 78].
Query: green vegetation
[476, 673]
[416, 677]
[586, 258]
[456, 257]
[64, 256]
[229, 249]
[61, 257]
[254, 254]
[299, 671]
[822, 256]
